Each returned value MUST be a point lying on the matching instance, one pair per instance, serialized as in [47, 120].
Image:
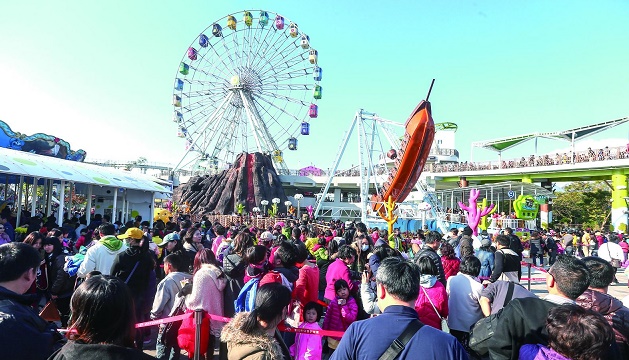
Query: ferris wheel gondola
[245, 84]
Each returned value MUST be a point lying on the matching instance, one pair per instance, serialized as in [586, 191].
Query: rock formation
[250, 180]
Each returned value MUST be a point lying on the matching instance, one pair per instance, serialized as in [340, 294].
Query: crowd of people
[379, 295]
[589, 155]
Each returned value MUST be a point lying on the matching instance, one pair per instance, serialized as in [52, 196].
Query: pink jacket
[307, 346]
[337, 270]
[439, 298]
[340, 317]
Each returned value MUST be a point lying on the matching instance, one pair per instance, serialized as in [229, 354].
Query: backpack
[457, 250]
[246, 299]
[484, 329]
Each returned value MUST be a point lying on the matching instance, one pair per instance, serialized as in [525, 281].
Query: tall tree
[583, 202]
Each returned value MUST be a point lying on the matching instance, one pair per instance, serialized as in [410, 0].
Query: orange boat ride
[411, 158]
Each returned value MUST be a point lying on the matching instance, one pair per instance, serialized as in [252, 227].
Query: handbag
[444, 322]
[615, 262]
[50, 312]
[484, 329]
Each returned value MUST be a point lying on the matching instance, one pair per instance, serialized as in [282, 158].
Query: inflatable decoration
[473, 213]
[162, 214]
[484, 220]
[310, 210]
[526, 207]
[39, 143]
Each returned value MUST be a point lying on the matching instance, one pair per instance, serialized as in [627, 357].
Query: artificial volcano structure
[250, 180]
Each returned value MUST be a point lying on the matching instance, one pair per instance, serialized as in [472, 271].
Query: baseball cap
[485, 242]
[133, 233]
[267, 236]
[170, 237]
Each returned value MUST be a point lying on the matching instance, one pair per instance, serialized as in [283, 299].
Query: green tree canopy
[583, 202]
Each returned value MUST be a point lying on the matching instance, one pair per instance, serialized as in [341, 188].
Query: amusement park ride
[247, 85]
[234, 94]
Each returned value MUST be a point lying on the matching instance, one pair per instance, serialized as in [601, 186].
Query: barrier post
[528, 262]
[198, 318]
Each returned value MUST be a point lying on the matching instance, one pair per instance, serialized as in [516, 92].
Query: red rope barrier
[281, 327]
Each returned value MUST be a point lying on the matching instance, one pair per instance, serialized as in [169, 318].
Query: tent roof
[31, 165]
[579, 133]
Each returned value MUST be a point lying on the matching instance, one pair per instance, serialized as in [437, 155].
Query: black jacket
[515, 244]
[61, 284]
[77, 350]
[522, 321]
[434, 257]
[505, 262]
[123, 267]
[25, 335]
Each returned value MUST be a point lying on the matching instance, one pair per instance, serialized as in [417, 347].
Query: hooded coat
[207, 294]
[614, 312]
[101, 256]
[255, 346]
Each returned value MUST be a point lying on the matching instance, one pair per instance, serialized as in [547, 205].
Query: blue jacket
[369, 339]
[25, 335]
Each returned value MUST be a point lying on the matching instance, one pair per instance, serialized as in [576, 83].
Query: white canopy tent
[17, 167]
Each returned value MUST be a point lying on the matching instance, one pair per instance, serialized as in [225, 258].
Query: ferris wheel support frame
[207, 124]
[369, 127]
[261, 132]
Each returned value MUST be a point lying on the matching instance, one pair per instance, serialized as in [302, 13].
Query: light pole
[298, 197]
[264, 203]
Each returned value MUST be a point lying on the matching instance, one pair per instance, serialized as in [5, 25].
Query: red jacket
[424, 309]
[307, 285]
[450, 266]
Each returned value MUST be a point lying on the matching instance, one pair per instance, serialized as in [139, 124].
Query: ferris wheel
[249, 82]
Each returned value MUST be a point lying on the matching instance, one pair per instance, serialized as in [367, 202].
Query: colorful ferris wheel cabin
[279, 22]
[204, 41]
[313, 55]
[305, 128]
[217, 30]
[292, 144]
[184, 69]
[178, 84]
[317, 73]
[317, 92]
[177, 116]
[313, 112]
[292, 30]
[305, 41]
[264, 18]
[192, 53]
[176, 101]
[248, 19]
[231, 22]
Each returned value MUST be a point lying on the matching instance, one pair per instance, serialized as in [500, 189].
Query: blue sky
[100, 74]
